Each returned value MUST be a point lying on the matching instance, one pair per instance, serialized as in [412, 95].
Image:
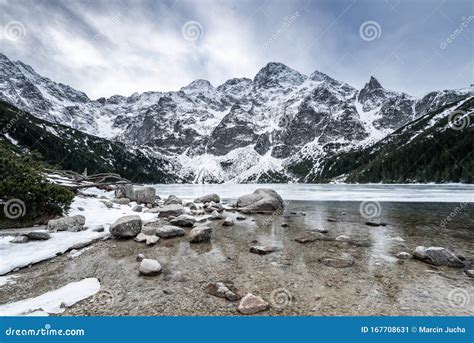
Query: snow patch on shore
[52, 302]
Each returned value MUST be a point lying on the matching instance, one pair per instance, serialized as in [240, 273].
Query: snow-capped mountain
[241, 131]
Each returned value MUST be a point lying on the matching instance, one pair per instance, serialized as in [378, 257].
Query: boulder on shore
[125, 191]
[261, 201]
[225, 290]
[208, 198]
[38, 235]
[74, 223]
[173, 200]
[263, 249]
[169, 231]
[126, 227]
[437, 256]
[145, 195]
[184, 220]
[200, 234]
[174, 210]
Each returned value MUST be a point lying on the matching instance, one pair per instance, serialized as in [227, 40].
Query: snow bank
[14, 255]
[54, 301]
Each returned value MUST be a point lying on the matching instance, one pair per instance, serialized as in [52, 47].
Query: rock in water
[74, 223]
[251, 304]
[263, 249]
[145, 195]
[170, 210]
[343, 261]
[261, 201]
[223, 290]
[403, 255]
[173, 200]
[169, 231]
[126, 227]
[140, 257]
[228, 222]
[38, 235]
[200, 234]
[149, 267]
[208, 198]
[184, 220]
[437, 256]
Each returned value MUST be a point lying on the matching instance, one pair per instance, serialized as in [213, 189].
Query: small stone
[470, 272]
[173, 200]
[80, 208]
[108, 204]
[215, 215]
[322, 230]
[200, 234]
[169, 231]
[151, 240]
[369, 223]
[241, 217]
[19, 239]
[140, 257]
[228, 222]
[403, 255]
[437, 256]
[343, 238]
[263, 249]
[38, 235]
[285, 225]
[99, 229]
[149, 267]
[332, 220]
[223, 290]
[141, 237]
[344, 261]
[251, 304]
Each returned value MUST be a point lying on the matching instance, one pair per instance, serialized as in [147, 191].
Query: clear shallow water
[331, 192]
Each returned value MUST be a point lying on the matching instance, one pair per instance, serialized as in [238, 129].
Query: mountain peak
[275, 73]
[198, 85]
[373, 83]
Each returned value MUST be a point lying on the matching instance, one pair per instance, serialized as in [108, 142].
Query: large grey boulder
[437, 256]
[149, 267]
[38, 235]
[125, 191]
[126, 227]
[174, 210]
[184, 220]
[200, 234]
[208, 198]
[263, 200]
[145, 195]
[74, 223]
[169, 231]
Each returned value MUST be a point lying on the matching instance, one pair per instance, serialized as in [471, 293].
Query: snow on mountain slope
[241, 130]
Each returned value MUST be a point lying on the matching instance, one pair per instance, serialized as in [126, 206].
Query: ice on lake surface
[331, 192]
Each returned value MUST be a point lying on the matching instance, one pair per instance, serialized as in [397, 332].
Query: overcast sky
[121, 46]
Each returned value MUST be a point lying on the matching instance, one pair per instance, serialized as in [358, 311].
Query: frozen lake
[331, 192]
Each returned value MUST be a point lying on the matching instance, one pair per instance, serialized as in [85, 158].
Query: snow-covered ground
[52, 302]
[14, 255]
